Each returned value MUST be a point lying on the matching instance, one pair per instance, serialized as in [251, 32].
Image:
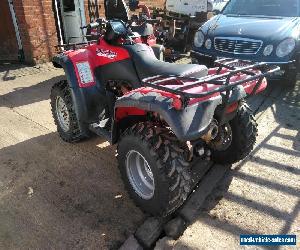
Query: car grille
[237, 45]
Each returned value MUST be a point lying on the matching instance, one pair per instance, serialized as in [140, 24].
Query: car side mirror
[133, 5]
[217, 12]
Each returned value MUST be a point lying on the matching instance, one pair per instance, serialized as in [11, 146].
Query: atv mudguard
[86, 100]
[188, 124]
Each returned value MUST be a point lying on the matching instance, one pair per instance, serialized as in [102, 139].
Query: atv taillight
[177, 104]
[231, 108]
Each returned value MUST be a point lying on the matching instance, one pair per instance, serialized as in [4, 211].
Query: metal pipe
[212, 132]
[58, 22]
[15, 23]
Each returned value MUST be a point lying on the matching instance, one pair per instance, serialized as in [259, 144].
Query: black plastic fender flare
[187, 124]
[85, 99]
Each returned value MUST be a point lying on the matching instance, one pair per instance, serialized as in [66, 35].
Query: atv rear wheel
[238, 137]
[153, 167]
[63, 112]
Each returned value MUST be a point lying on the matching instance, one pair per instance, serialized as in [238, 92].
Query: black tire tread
[74, 135]
[244, 129]
[169, 155]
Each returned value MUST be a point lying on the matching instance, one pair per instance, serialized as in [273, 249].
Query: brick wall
[37, 28]
[154, 3]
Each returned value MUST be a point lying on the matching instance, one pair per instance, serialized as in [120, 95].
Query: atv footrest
[98, 130]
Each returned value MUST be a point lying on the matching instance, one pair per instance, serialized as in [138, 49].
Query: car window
[284, 8]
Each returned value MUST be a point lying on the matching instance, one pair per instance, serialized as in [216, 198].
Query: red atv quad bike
[163, 116]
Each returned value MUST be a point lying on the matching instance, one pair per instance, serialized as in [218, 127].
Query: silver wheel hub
[224, 138]
[62, 113]
[140, 175]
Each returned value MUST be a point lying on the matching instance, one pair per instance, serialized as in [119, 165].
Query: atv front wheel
[153, 167]
[63, 112]
[236, 139]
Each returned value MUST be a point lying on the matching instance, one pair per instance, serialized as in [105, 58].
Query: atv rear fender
[188, 124]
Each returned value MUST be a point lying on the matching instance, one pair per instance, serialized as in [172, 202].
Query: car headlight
[208, 44]
[285, 47]
[268, 50]
[199, 39]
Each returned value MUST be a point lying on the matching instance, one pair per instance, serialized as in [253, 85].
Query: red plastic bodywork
[177, 102]
[90, 54]
[128, 111]
[96, 55]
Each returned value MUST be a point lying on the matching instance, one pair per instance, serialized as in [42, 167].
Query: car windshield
[275, 8]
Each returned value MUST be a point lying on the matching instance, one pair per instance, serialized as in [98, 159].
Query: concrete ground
[54, 195]
[260, 195]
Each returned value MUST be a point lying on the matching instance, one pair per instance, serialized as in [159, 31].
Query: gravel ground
[54, 195]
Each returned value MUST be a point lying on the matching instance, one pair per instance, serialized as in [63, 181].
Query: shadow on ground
[27, 95]
[62, 196]
[11, 71]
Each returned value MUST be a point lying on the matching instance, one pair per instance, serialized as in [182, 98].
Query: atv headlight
[199, 39]
[285, 47]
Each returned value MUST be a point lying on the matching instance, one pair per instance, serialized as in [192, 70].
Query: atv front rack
[180, 85]
[73, 46]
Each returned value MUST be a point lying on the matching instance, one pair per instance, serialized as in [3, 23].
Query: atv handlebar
[90, 26]
[94, 25]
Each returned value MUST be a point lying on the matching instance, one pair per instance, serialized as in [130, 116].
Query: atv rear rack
[180, 85]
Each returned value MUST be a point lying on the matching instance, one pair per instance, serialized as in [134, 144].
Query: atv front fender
[187, 124]
[87, 101]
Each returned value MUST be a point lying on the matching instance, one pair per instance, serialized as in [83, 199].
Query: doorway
[73, 17]
[8, 42]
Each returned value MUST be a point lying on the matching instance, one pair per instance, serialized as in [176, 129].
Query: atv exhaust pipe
[212, 132]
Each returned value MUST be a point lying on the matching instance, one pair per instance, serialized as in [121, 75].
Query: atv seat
[148, 65]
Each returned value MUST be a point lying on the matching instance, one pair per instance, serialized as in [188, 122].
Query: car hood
[261, 28]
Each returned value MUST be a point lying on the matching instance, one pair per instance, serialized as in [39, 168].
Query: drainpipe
[15, 23]
[58, 23]
[82, 18]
